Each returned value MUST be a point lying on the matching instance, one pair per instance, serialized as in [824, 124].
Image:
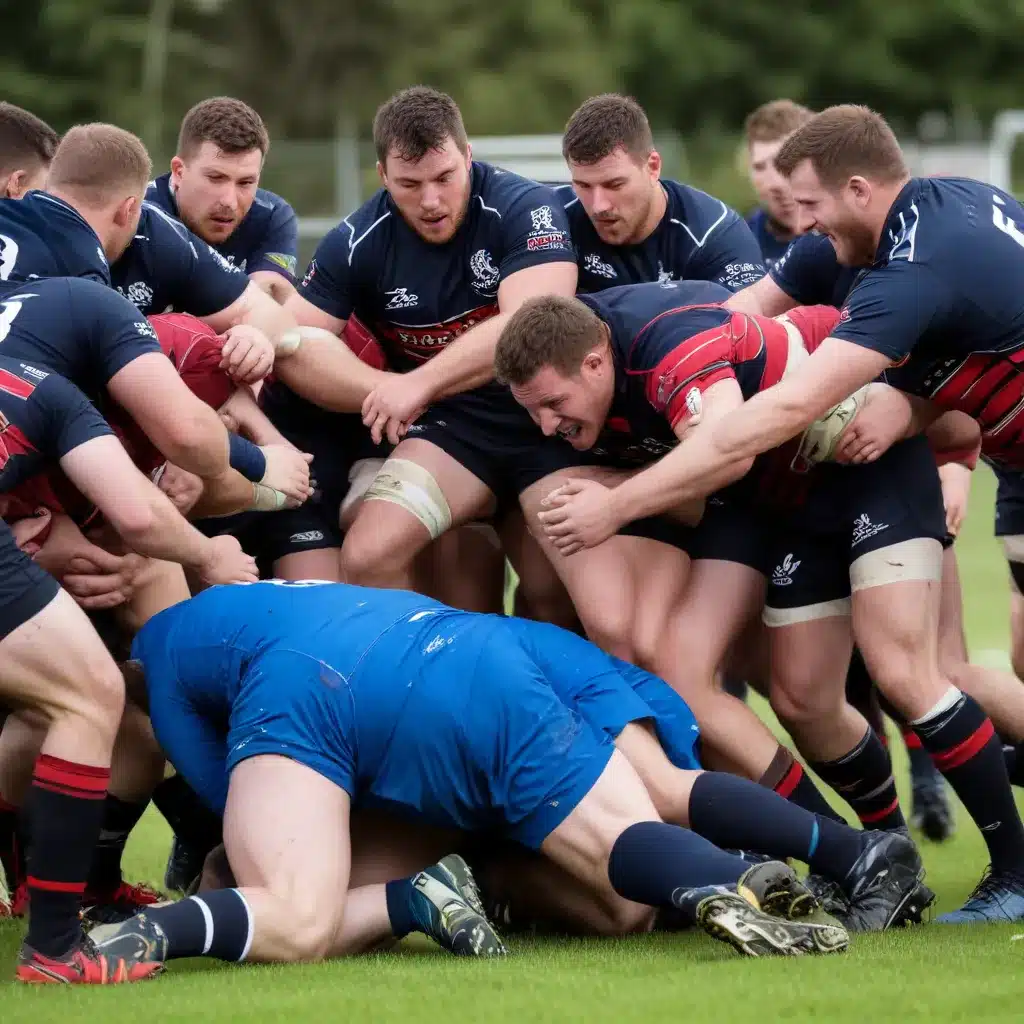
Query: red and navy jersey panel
[78, 329]
[42, 236]
[698, 239]
[42, 418]
[266, 239]
[416, 297]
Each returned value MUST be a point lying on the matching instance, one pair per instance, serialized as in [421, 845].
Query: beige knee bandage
[412, 487]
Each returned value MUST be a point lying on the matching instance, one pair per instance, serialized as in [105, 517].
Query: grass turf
[924, 974]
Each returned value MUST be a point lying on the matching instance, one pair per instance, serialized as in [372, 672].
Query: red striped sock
[64, 810]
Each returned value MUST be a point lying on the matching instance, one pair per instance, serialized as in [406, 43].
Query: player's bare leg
[464, 568]
[279, 911]
[56, 662]
[614, 842]
[419, 494]
[541, 595]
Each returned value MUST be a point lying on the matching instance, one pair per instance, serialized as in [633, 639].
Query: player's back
[42, 236]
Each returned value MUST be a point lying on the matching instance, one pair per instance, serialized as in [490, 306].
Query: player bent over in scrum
[52, 659]
[440, 715]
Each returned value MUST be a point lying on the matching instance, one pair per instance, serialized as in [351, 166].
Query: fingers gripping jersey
[42, 418]
[166, 267]
[417, 297]
[667, 354]
[698, 239]
[79, 329]
[266, 239]
[42, 236]
[943, 301]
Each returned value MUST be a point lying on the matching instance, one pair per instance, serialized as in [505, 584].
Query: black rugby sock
[218, 924]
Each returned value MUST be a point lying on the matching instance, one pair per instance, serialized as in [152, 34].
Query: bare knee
[310, 933]
[374, 553]
[799, 703]
[623, 917]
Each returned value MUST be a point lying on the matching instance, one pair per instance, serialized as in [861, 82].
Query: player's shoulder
[698, 212]
[158, 227]
[499, 191]
[271, 207]
[366, 226]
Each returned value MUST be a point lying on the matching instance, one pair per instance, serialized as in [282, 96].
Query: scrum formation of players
[709, 471]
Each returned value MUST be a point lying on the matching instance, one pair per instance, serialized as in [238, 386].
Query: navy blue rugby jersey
[764, 230]
[809, 273]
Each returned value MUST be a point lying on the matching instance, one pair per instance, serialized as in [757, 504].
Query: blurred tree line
[314, 67]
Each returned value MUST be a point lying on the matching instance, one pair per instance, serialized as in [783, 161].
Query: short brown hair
[26, 142]
[98, 161]
[547, 330]
[604, 124]
[415, 121]
[775, 120]
[842, 142]
[231, 125]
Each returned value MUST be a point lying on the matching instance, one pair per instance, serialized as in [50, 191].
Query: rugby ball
[820, 439]
[360, 339]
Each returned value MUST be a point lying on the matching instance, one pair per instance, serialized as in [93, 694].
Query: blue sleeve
[119, 332]
[730, 256]
[279, 249]
[77, 245]
[192, 743]
[808, 271]
[328, 280]
[534, 231]
[891, 307]
[71, 418]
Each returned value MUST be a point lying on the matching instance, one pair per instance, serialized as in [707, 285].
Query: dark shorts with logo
[849, 512]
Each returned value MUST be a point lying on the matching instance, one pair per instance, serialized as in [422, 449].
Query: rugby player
[493, 239]
[54, 661]
[307, 711]
[27, 145]
[888, 553]
[213, 188]
[775, 222]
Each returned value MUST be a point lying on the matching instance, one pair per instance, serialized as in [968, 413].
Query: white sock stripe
[251, 928]
[207, 920]
[951, 696]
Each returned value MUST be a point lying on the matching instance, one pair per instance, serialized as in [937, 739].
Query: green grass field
[930, 973]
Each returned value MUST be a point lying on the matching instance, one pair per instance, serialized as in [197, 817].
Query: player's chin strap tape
[412, 487]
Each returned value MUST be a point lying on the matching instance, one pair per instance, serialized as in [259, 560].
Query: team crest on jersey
[593, 264]
[224, 261]
[139, 294]
[401, 298]
[542, 219]
[485, 273]
[665, 278]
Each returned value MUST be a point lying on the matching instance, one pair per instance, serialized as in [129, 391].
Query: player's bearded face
[214, 190]
[836, 213]
[619, 194]
[431, 193]
[574, 407]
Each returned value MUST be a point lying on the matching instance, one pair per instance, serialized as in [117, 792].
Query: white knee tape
[409, 485]
[360, 476]
[913, 561]
[774, 618]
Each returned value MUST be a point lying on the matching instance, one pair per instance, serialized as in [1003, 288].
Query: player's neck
[654, 217]
[885, 197]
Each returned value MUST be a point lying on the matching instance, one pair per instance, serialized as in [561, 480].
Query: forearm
[203, 451]
[684, 476]
[161, 532]
[465, 363]
[224, 496]
[327, 372]
[251, 420]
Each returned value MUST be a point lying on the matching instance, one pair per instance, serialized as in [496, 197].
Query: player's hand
[226, 562]
[182, 487]
[247, 354]
[956, 494]
[393, 404]
[93, 576]
[288, 472]
[882, 421]
[578, 515]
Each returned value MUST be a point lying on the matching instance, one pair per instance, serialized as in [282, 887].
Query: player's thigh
[1013, 549]
[286, 832]
[464, 568]
[897, 594]
[312, 564]
[420, 492]
[952, 638]
[385, 847]
[668, 786]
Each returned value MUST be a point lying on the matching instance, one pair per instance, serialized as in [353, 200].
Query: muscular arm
[250, 420]
[468, 362]
[324, 369]
[256, 308]
[184, 429]
[278, 287]
[667, 484]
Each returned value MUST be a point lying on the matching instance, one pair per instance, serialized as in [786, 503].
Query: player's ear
[381, 175]
[469, 154]
[654, 164]
[127, 211]
[859, 190]
[177, 166]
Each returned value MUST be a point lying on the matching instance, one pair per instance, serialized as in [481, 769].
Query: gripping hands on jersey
[287, 472]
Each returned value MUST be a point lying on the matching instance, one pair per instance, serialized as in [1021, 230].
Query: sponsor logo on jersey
[282, 260]
[306, 537]
[145, 328]
[401, 298]
[226, 263]
[139, 294]
[310, 274]
[422, 342]
[593, 264]
[665, 278]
